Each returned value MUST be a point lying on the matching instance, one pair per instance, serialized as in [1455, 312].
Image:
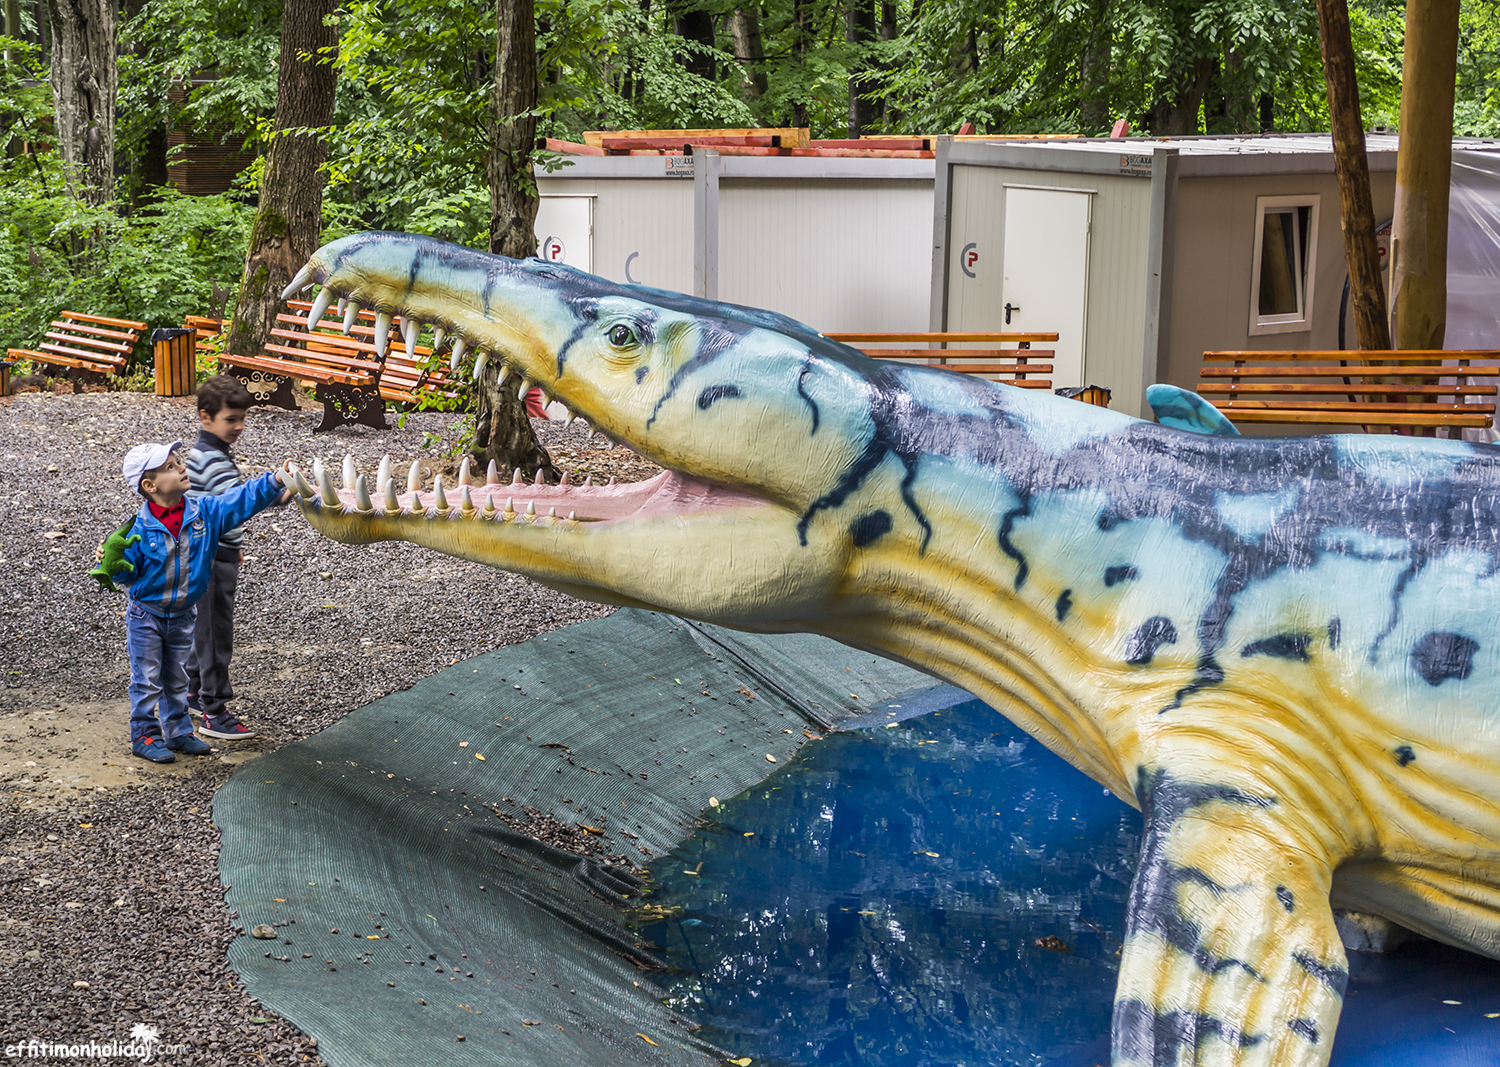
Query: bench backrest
[93, 339]
[1386, 388]
[1024, 366]
[403, 374]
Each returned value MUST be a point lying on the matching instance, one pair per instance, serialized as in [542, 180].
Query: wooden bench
[1013, 366]
[1413, 390]
[91, 347]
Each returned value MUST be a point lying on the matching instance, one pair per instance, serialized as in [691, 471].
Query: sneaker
[188, 745]
[225, 725]
[153, 749]
[195, 706]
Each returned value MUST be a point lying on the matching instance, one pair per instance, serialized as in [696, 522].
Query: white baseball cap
[147, 457]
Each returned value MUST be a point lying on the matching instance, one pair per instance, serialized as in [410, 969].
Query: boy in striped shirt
[222, 403]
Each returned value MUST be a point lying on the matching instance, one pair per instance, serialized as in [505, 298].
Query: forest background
[413, 126]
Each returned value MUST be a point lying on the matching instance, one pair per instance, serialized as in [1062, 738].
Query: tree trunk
[1177, 116]
[1352, 166]
[749, 50]
[84, 82]
[149, 167]
[859, 29]
[502, 430]
[1424, 163]
[290, 216]
[694, 24]
[1093, 74]
[12, 27]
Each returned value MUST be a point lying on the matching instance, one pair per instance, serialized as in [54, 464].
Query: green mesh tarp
[375, 852]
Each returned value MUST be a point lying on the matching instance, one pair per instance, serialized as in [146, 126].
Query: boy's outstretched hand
[111, 557]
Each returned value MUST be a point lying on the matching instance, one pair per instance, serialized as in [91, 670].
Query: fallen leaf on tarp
[278, 900]
[463, 744]
[372, 937]
[480, 756]
[260, 1020]
[743, 1061]
[531, 1022]
[812, 736]
[770, 758]
[644, 1038]
[590, 829]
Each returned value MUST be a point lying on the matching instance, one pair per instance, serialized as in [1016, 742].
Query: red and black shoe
[224, 725]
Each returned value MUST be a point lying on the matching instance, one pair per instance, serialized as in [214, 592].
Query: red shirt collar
[170, 517]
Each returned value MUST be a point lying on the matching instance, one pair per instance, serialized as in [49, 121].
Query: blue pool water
[948, 892]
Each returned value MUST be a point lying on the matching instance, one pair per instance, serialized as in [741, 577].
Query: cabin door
[565, 230]
[1046, 272]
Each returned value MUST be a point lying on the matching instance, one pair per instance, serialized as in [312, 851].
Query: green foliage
[156, 265]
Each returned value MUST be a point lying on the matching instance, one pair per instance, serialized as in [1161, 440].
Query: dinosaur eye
[622, 336]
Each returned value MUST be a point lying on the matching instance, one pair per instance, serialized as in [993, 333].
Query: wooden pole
[1356, 212]
[1424, 162]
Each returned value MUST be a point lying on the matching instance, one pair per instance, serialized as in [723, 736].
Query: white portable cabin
[842, 244]
[1144, 254]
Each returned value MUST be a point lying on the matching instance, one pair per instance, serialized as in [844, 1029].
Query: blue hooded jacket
[171, 573]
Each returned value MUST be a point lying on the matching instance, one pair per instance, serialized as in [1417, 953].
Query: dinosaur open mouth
[669, 493]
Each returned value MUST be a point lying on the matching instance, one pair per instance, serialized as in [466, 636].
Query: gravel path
[111, 915]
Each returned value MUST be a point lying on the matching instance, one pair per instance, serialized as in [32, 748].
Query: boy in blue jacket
[171, 556]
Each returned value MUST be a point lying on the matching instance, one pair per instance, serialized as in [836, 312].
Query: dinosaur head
[756, 419]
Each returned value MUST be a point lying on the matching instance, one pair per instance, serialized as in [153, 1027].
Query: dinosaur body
[1284, 651]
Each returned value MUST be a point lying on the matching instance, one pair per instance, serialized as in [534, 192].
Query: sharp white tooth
[302, 486]
[320, 305]
[571, 517]
[566, 479]
[611, 482]
[339, 307]
[383, 472]
[350, 473]
[588, 483]
[317, 473]
[541, 477]
[465, 500]
[362, 496]
[492, 474]
[463, 472]
[300, 282]
[531, 508]
[382, 332]
[388, 486]
[325, 487]
[414, 477]
[517, 478]
[457, 355]
[439, 498]
[351, 312]
[523, 388]
[568, 416]
[504, 375]
[410, 329]
[609, 445]
[438, 333]
[489, 505]
[510, 508]
[551, 513]
[479, 363]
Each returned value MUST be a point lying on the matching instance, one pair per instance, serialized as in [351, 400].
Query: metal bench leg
[349, 405]
[270, 389]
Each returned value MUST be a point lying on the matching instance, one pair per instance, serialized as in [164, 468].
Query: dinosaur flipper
[1231, 955]
[1183, 410]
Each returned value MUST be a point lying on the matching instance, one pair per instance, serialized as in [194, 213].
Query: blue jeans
[158, 646]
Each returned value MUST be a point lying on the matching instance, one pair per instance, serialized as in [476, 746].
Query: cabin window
[1286, 245]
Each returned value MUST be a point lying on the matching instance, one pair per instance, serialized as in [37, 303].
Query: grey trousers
[213, 640]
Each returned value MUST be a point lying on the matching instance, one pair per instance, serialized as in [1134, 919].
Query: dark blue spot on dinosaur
[870, 528]
[1284, 895]
[1282, 646]
[1141, 645]
[1008, 547]
[1335, 629]
[1064, 604]
[1404, 755]
[1440, 656]
[1108, 520]
[713, 393]
[1304, 1028]
[1335, 978]
[1115, 575]
[640, 376]
[1141, 1034]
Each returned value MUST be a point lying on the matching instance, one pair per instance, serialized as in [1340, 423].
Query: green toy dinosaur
[112, 560]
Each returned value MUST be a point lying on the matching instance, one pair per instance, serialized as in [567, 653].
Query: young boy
[222, 403]
[177, 538]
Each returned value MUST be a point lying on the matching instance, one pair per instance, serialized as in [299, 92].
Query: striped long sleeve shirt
[212, 471]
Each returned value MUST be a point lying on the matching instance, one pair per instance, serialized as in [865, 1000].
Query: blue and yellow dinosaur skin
[1285, 651]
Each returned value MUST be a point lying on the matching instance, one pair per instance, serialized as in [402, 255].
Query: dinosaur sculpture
[1284, 651]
